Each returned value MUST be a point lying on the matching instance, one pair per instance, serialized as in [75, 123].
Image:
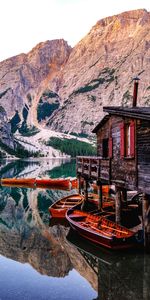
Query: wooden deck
[94, 167]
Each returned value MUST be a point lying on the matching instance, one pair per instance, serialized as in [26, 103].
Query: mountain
[65, 89]
[100, 69]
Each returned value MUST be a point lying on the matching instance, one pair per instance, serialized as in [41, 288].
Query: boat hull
[18, 182]
[98, 236]
[63, 184]
[59, 208]
[103, 241]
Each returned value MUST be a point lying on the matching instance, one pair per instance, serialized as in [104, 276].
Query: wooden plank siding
[123, 170]
[143, 155]
[130, 171]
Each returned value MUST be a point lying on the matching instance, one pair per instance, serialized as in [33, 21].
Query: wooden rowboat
[58, 183]
[59, 208]
[100, 230]
[18, 182]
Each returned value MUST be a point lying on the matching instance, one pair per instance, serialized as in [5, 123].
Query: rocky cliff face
[65, 89]
[23, 79]
[6, 137]
[100, 69]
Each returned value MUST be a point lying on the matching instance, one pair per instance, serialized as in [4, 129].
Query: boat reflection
[119, 276]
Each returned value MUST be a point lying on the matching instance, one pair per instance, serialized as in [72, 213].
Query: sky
[25, 23]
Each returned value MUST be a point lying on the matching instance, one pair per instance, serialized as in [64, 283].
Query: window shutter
[122, 140]
[110, 151]
[132, 138]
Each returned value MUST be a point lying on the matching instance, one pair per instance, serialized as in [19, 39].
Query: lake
[44, 260]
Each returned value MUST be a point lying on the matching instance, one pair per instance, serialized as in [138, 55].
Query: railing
[93, 167]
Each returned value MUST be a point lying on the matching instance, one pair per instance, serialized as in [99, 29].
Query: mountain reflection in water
[86, 272]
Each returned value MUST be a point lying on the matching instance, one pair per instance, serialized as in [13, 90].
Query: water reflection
[37, 168]
[25, 235]
[92, 273]
[119, 275]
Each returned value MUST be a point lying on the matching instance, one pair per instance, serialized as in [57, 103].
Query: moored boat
[101, 230]
[18, 182]
[59, 208]
[58, 183]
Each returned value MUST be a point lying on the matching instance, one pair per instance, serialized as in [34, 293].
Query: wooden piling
[118, 205]
[79, 184]
[124, 197]
[146, 221]
[100, 194]
[86, 189]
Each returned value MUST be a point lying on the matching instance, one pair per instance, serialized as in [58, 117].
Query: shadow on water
[94, 273]
[123, 275]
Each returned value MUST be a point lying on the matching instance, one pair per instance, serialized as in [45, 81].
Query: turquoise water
[39, 261]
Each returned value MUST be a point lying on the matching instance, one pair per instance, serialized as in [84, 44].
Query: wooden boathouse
[123, 158]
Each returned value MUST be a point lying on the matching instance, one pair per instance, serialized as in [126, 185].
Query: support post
[118, 205]
[146, 221]
[79, 184]
[124, 198]
[86, 189]
[100, 194]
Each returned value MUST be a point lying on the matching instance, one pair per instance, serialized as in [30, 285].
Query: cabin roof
[101, 123]
[132, 112]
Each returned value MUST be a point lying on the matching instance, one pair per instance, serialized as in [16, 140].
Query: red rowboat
[18, 182]
[58, 183]
[100, 230]
[59, 208]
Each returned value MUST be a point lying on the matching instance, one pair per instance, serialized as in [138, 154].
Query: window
[105, 148]
[127, 139]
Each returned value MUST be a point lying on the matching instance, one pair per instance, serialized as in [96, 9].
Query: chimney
[135, 91]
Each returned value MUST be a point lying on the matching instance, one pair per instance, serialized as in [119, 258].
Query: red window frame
[123, 139]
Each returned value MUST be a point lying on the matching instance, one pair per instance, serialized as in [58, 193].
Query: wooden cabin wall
[143, 155]
[123, 170]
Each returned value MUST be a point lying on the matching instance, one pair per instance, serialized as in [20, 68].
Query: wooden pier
[94, 168]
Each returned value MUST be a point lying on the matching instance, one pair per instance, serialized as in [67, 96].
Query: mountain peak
[125, 18]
